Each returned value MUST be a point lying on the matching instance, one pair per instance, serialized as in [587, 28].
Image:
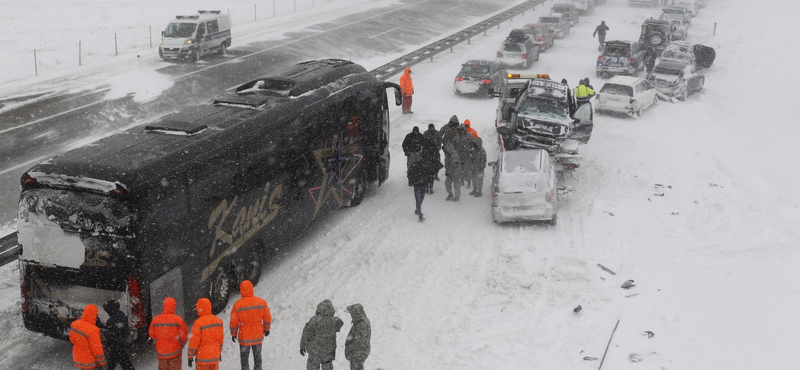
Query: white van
[191, 37]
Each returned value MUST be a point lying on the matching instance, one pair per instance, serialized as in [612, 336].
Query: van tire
[194, 56]
[223, 49]
[253, 265]
[220, 291]
[359, 191]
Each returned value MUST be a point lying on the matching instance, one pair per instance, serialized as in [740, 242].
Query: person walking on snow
[87, 349]
[420, 175]
[462, 143]
[406, 89]
[250, 322]
[117, 338]
[479, 165]
[600, 32]
[449, 131]
[452, 172]
[208, 333]
[412, 148]
[583, 93]
[430, 155]
[170, 334]
[319, 337]
[356, 346]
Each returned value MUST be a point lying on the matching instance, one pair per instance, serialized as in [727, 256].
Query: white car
[524, 186]
[625, 94]
[692, 5]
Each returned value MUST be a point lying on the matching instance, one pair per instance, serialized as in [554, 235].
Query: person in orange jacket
[470, 130]
[250, 322]
[87, 349]
[170, 333]
[206, 340]
[406, 89]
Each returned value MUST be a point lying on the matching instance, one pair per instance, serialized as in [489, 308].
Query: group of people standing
[464, 160]
[250, 322]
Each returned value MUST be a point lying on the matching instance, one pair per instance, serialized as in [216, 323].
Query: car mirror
[162, 34]
[492, 163]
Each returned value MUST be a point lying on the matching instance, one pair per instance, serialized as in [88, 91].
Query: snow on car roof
[624, 80]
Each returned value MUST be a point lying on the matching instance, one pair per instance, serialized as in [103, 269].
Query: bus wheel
[221, 286]
[359, 190]
[252, 270]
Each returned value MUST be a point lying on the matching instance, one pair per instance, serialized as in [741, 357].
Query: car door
[583, 124]
[648, 93]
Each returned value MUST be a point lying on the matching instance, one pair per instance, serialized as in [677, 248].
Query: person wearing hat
[117, 338]
[435, 141]
[600, 32]
[412, 148]
[356, 346]
[406, 89]
[583, 93]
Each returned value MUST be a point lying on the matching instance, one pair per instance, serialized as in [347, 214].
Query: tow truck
[536, 112]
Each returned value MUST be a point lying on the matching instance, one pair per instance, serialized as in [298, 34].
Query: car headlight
[188, 42]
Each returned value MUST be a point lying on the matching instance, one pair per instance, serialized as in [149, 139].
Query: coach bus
[191, 204]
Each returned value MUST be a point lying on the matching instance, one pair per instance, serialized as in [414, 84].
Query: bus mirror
[398, 97]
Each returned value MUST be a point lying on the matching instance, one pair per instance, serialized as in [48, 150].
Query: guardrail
[427, 52]
[9, 249]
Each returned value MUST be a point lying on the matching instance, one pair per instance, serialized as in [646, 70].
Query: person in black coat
[430, 154]
[117, 336]
[420, 175]
[412, 148]
[600, 32]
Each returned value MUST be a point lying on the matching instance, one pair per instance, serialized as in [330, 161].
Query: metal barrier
[9, 249]
[427, 52]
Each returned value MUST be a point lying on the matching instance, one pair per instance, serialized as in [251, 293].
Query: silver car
[524, 187]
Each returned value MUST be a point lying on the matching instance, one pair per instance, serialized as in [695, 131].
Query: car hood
[172, 42]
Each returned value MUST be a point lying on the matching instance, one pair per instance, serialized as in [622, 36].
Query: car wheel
[553, 221]
[221, 286]
[700, 85]
[598, 74]
[655, 102]
[223, 49]
[684, 94]
[359, 191]
[194, 56]
[639, 112]
[455, 91]
[537, 57]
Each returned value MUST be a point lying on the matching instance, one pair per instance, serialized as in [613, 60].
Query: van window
[201, 30]
[213, 27]
[180, 30]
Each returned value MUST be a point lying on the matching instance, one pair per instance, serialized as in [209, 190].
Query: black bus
[191, 204]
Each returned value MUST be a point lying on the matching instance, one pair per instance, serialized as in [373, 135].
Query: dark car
[675, 79]
[543, 35]
[620, 57]
[657, 33]
[481, 77]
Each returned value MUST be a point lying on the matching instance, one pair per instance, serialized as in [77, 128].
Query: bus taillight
[119, 190]
[28, 179]
[135, 300]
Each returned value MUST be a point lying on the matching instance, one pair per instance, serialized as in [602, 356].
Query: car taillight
[459, 79]
[494, 199]
[499, 54]
[541, 39]
[135, 300]
[601, 58]
[28, 179]
[119, 190]
[632, 60]
[22, 286]
[525, 56]
[486, 81]
[549, 196]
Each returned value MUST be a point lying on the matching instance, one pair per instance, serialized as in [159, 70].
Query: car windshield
[534, 105]
[615, 51]
[522, 162]
[561, 8]
[549, 20]
[519, 48]
[673, 11]
[180, 30]
[474, 69]
[674, 16]
[538, 32]
[615, 89]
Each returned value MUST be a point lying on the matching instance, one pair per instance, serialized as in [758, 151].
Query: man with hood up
[412, 148]
[118, 331]
[449, 130]
[87, 349]
[170, 333]
[453, 173]
[319, 337]
[250, 322]
[406, 89]
[356, 346]
[205, 344]
[479, 166]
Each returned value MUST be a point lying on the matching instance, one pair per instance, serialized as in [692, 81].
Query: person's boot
[421, 217]
[416, 211]
[449, 196]
[478, 194]
[455, 199]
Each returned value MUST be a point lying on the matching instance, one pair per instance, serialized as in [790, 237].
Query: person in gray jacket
[319, 337]
[479, 166]
[453, 173]
[356, 347]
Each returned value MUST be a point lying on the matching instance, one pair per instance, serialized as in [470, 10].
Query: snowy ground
[713, 260]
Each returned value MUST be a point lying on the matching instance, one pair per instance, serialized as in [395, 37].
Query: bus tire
[359, 191]
[253, 265]
[220, 292]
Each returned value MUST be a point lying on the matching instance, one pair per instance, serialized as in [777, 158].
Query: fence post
[273, 15]
[116, 51]
[79, 53]
[295, 6]
[715, 28]
[35, 63]
[255, 15]
[151, 36]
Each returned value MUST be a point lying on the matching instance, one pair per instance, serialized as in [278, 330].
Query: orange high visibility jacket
[207, 335]
[250, 317]
[470, 130]
[406, 86]
[87, 350]
[169, 331]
